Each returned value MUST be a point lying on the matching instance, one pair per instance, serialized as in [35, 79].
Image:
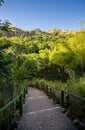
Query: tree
[77, 44]
[4, 25]
[1, 2]
[5, 71]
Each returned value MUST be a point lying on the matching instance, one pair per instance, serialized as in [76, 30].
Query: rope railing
[10, 110]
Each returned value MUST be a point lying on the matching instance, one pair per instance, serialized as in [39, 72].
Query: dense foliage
[52, 55]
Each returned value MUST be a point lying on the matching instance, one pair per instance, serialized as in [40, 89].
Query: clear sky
[44, 14]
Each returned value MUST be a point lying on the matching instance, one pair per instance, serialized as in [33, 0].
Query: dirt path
[41, 114]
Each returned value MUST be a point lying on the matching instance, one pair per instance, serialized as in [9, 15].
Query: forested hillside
[42, 49]
[52, 55]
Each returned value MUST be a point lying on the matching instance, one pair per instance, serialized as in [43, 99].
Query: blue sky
[44, 14]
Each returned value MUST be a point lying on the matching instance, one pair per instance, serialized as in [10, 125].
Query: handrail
[78, 97]
[71, 94]
[10, 103]
[9, 120]
[19, 97]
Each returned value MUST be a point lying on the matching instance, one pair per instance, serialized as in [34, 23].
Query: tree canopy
[1, 2]
[40, 55]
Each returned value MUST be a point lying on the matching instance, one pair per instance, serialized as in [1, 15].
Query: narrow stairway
[41, 114]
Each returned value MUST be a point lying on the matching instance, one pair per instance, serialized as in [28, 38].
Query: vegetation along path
[41, 114]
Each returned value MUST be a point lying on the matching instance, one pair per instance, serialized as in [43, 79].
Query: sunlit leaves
[46, 55]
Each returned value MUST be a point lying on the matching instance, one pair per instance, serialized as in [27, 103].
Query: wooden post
[67, 100]
[21, 104]
[26, 89]
[24, 92]
[47, 90]
[62, 98]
